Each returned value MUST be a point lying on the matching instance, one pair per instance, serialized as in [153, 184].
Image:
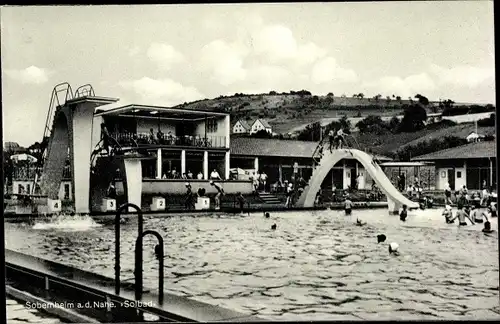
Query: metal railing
[138, 253]
[147, 139]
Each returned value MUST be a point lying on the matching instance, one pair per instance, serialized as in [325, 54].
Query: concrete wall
[178, 187]
[96, 130]
[441, 181]
[222, 128]
[144, 126]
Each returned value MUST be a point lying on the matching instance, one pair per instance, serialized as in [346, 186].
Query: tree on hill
[361, 95]
[413, 118]
[398, 98]
[273, 93]
[345, 123]
[371, 124]
[330, 94]
[394, 124]
[377, 97]
[422, 100]
[312, 132]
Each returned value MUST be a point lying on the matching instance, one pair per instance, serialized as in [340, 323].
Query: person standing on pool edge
[220, 192]
[347, 205]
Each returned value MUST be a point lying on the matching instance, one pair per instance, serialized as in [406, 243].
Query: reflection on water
[315, 266]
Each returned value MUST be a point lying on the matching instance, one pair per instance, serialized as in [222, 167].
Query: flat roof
[405, 164]
[147, 111]
[478, 150]
[272, 147]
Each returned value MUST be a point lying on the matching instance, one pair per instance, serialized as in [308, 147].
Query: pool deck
[179, 306]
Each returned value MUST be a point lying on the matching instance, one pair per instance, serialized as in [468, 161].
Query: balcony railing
[132, 139]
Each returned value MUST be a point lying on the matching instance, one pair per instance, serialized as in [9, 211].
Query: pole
[117, 239]
[139, 265]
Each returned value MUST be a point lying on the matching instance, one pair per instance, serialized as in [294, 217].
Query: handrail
[139, 265]
[84, 90]
[140, 225]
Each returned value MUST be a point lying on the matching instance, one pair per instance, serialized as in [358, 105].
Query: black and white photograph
[250, 162]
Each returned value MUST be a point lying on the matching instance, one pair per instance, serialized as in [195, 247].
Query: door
[338, 178]
[451, 178]
[353, 178]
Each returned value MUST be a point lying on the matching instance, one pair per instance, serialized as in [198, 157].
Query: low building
[241, 127]
[434, 118]
[261, 124]
[277, 159]
[474, 137]
[23, 180]
[467, 165]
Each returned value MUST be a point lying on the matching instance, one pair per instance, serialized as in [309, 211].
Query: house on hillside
[241, 127]
[475, 137]
[434, 118]
[471, 165]
[260, 124]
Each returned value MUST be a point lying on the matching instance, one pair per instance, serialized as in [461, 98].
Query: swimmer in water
[448, 214]
[393, 248]
[487, 228]
[477, 215]
[157, 250]
[404, 214]
[462, 215]
[381, 238]
[347, 205]
[273, 227]
[493, 208]
[266, 215]
[360, 223]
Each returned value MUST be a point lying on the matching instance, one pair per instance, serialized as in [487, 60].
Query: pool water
[314, 266]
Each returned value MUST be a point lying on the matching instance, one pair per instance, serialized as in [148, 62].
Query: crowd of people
[174, 174]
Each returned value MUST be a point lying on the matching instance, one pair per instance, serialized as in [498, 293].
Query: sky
[170, 54]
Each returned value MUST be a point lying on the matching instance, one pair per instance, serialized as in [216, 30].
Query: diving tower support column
[227, 165]
[72, 129]
[205, 165]
[183, 162]
[133, 181]
[159, 165]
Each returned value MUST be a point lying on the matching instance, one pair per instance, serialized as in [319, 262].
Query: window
[20, 189]
[66, 191]
[212, 125]
[28, 187]
[459, 174]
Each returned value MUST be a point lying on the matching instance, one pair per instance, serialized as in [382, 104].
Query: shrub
[487, 121]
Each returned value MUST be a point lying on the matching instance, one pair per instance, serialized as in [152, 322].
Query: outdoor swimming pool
[315, 266]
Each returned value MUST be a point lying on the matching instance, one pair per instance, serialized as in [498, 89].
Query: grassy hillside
[389, 143]
[289, 112]
[286, 112]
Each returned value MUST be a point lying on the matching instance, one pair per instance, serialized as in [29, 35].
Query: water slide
[395, 198]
